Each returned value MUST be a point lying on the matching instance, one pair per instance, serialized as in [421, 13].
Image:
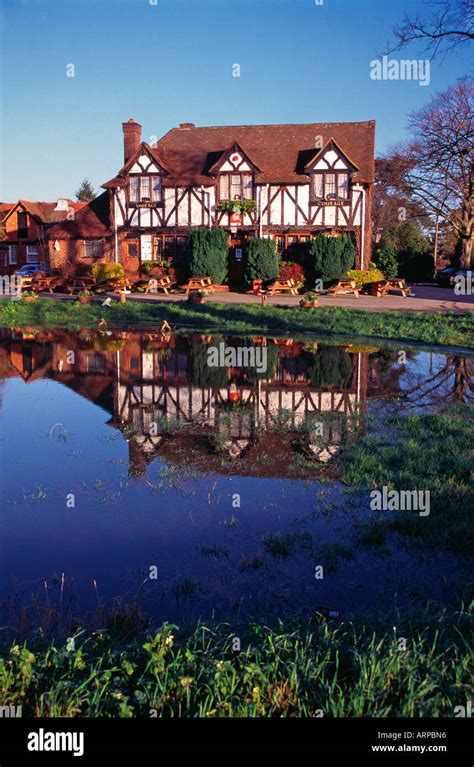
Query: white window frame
[12, 255]
[134, 189]
[155, 183]
[29, 254]
[145, 188]
[342, 182]
[238, 181]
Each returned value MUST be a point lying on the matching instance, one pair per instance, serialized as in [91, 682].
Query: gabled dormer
[142, 174]
[145, 178]
[235, 174]
[330, 171]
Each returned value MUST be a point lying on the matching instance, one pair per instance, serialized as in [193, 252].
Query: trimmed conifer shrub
[330, 258]
[261, 260]
[208, 251]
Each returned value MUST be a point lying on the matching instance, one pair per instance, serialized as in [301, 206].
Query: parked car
[32, 270]
[445, 278]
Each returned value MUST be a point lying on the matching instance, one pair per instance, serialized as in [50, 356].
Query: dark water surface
[123, 452]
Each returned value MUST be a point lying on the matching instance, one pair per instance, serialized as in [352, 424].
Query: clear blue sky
[172, 62]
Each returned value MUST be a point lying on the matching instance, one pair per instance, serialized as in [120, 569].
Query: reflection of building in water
[170, 399]
[169, 403]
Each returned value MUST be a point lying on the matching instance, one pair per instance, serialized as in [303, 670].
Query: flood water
[133, 473]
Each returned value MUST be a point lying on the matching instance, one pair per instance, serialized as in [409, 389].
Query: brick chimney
[132, 132]
[187, 126]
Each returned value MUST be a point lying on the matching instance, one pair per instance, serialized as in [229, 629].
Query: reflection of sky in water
[183, 521]
[427, 381]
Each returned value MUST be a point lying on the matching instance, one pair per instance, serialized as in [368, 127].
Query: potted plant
[85, 296]
[28, 296]
[309, 301]
[197, 296]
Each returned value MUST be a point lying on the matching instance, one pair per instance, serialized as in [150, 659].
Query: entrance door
[236, 261]
[146, 253]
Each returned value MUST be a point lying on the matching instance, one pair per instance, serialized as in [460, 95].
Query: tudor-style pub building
[298, 181]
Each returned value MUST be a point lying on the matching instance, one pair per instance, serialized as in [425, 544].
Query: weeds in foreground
[293, 668]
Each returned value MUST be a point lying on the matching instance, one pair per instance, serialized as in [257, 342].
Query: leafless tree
[448, 26]
[437, 167]
[454, 382]
[390, 205]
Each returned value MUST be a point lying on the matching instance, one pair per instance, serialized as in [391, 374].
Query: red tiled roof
[280, 151]
[92, 220]
[4, 208]
[46, 211]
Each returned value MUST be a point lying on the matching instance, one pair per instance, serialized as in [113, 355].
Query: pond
[134, 473]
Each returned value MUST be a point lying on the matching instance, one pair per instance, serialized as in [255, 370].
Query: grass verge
[438, 328]
[296, 668]
[432, 453]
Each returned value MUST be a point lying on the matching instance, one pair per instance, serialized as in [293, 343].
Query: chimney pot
[186, 126]
[132, 132]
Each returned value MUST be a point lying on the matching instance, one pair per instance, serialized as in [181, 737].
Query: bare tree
[437, 167]
[390, 205]
[448, 26]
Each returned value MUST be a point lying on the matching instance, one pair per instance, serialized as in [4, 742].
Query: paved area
[424, 298]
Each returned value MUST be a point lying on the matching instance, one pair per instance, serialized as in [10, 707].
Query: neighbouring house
[287, 182]
[87, 239]
[23, 231]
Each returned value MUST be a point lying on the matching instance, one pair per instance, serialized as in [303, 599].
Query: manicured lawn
[294, 668]
[437, 328]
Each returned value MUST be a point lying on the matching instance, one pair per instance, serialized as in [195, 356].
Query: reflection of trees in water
[384, 373]
[389, 378]
[330, 367]
[202, 375]
[452, 383]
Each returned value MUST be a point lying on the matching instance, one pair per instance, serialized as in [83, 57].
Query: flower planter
[308, 304]
[29, 299]
[85, 299]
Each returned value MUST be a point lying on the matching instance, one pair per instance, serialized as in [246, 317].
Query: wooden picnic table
[79, 284]
[345, 286]
[283, 286]
[117, 285]
[198, 283]
[154, 284]
[113, 285]
[396, 284]
[24, 282]
[43, 284]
